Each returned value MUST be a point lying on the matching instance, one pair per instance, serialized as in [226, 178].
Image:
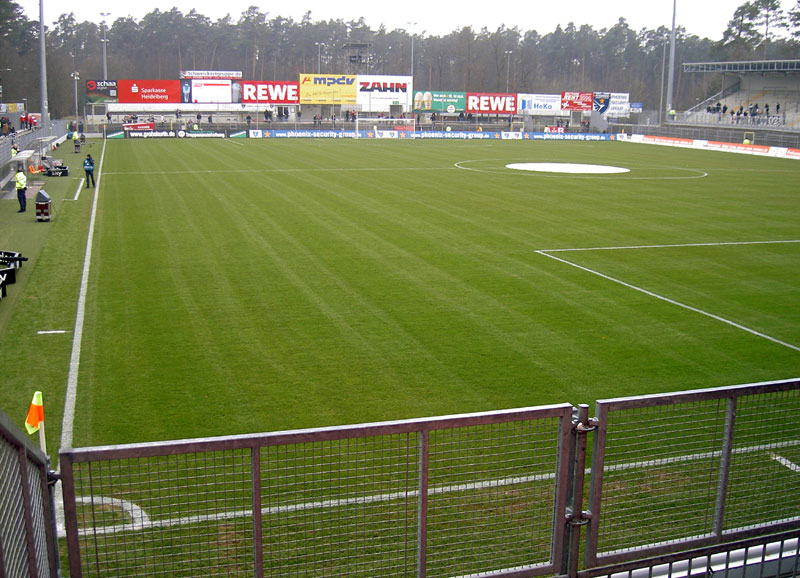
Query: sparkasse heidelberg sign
[491, 103]
[149, 91]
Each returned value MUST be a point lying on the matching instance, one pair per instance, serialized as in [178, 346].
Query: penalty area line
[672, 301]
[676, 245]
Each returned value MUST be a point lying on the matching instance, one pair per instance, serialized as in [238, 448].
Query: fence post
[255, 486]
[724, 465]
[575, 516]
[422, 505]
[70, 514]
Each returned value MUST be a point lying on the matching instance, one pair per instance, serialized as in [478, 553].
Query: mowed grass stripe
[268, 300]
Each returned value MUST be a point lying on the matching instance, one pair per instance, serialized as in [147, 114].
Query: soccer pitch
[241, 286]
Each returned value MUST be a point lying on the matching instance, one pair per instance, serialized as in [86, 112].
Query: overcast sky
[706, 18]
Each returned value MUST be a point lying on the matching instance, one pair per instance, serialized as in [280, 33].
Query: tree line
[267, 47]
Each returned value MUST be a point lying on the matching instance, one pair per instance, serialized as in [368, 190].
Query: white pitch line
[672, 301]
[669, 246]
[305, 170]
[80, 188]
[784, 462]
[75, 358]
[51, 332]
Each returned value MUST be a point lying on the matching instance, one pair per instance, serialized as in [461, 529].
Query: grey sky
[705, 18]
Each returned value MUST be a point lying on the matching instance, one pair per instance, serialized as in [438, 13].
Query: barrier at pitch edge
[747, 149]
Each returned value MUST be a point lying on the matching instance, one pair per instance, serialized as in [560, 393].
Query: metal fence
[489, 494]
[27, 533]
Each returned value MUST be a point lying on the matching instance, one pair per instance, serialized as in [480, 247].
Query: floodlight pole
[76, 77]
[412, 25]
[508, 66]
[671, 76]
[104, 40]
[43, 70]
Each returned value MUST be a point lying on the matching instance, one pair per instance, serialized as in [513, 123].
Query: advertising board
[539, 104]
[491, 103]
[438, 101]
[328, 89]
[149, 91]
[378, 93]
[269, 92]
[229, 74]
[101, 91]
[577, 101]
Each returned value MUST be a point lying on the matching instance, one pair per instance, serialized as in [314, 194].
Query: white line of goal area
[547, 253]
[138, 519]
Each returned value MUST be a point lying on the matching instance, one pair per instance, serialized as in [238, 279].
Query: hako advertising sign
[149, 91]
[577, 101]
[270, 92]
[328, 89]
[491, 103]
[101, 91]
[539, 104]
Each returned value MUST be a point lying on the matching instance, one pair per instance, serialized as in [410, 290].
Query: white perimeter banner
[620, 105]
[540, 105]
[376, 93]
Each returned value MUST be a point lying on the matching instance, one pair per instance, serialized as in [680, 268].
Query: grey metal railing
[682, 485]
[27, 532]
[691, 469]
[452, 496]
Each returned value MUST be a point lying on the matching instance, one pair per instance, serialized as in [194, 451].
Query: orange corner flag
[35, 414]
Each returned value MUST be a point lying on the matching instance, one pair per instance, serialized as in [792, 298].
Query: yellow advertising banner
[328, 89]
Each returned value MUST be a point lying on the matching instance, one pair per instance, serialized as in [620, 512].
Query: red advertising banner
[149, 91]
[577, 100]
[270, 92]
[139, 126]
[493, 103]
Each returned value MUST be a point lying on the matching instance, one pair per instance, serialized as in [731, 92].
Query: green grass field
[245, 286]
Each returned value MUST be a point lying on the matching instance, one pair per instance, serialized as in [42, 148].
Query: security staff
[21, 182]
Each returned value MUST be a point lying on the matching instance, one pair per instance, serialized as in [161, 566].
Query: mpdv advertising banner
[328, 88]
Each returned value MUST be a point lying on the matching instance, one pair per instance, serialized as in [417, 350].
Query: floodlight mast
[671, 77]
[104, 40]
[43, 70]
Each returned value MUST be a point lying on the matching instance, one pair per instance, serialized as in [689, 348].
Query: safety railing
[27, 532]
[680, 485]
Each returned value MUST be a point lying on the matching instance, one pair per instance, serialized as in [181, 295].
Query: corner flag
[35, 414]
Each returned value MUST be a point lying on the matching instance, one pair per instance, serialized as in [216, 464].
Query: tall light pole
[508, 66]
[412, 25]
[671, 76]
[76, 77]
[43, 70]
[319, 57]
[104, 40]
